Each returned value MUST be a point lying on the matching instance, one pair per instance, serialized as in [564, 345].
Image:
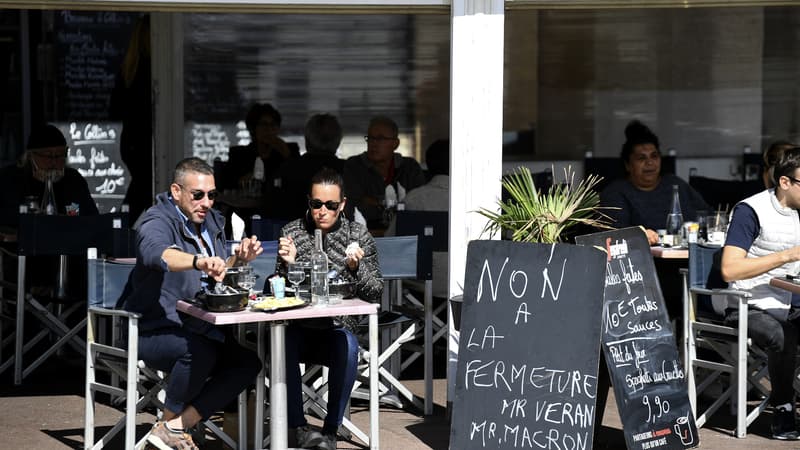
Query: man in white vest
[762, 243]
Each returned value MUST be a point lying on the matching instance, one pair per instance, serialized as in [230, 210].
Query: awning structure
[240, 6]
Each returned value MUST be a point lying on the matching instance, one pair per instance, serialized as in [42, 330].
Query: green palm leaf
[533, 216]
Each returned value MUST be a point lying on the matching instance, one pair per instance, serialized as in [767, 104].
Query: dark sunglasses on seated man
[317, 204]
[198, 194]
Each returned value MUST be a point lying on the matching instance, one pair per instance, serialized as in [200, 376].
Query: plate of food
[270, 303]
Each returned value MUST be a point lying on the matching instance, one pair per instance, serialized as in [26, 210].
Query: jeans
[204, 373]
[335, 348]
[779, 339]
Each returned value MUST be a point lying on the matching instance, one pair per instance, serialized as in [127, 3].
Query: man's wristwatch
[194, 262]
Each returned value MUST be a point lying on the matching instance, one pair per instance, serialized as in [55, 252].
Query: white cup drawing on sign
[683, 430]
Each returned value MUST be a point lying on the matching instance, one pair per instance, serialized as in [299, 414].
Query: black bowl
[347, 289]
[224, 302]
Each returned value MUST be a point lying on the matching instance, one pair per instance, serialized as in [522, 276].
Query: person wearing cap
[24, 182]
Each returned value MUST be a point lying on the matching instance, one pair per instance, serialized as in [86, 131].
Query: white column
[476, 126]
[166, 36]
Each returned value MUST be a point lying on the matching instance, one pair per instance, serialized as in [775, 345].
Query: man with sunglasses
[179, 240]
[353, 255]
[23, 183]
[762, 243]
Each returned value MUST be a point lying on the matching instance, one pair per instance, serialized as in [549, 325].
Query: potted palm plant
[534, 216]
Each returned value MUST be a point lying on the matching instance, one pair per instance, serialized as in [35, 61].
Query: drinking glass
[296, 275]
[247, 278]
[717, 227]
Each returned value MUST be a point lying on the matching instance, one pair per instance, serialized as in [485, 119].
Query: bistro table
[277, 394]
[669, 252]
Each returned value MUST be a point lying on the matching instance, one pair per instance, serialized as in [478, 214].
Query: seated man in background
[645, 196]
[369, 174]
[263, 123]
[762, 243]
[179, 240]
[24, 183]
[325, 341]
[323, 135]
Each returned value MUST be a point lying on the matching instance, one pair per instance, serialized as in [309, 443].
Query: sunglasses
[198, 194]
[330, 204]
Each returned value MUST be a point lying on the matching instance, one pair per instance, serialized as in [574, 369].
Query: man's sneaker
[308, 437]
[328, 442]
[165, 439]
[783, 425]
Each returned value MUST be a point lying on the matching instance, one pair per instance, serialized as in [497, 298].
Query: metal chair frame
[119, 359]
[741, 359]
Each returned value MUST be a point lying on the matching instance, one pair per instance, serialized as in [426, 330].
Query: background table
[277, 321]
[669, 252]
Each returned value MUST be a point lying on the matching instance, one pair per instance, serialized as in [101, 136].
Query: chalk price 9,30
[657, 409]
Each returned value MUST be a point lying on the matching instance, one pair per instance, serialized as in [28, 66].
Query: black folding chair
[61, 236]
[431, 229]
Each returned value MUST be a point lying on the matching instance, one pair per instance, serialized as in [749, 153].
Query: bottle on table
[319, 272]
[674, 220]
[48, 198]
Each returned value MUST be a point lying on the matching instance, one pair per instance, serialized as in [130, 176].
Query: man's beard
[43, 175]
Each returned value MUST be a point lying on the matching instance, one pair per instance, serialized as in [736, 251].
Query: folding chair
[398, 260]
[117, 358]
[431, 229]
[715, 347]
[63, 236]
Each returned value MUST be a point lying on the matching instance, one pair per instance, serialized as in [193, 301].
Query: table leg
[278, 422]
[373, 382]
[428, 347]
[242, 404]
[261, 347]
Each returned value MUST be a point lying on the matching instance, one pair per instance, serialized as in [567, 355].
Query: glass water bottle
[319, 272]
[674, 220]
[48, 198]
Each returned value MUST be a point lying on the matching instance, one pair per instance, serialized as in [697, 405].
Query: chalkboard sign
[210, 141]
[89, 47]
[530, 330]
[94, 152]
[639, 346]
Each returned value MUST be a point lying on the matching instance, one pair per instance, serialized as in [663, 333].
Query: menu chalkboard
[213, 140]
[639, 346]
[94, 152]
[527, 367]
[89, 47]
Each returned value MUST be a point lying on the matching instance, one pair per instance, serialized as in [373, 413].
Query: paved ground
[47, 413]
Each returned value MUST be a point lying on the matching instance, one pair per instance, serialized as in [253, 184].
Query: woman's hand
[354, 258]
[287, 250]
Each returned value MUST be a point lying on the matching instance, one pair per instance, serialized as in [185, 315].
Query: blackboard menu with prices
[94, 152]
[528, 351]
[640, 350]
[89, 49]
